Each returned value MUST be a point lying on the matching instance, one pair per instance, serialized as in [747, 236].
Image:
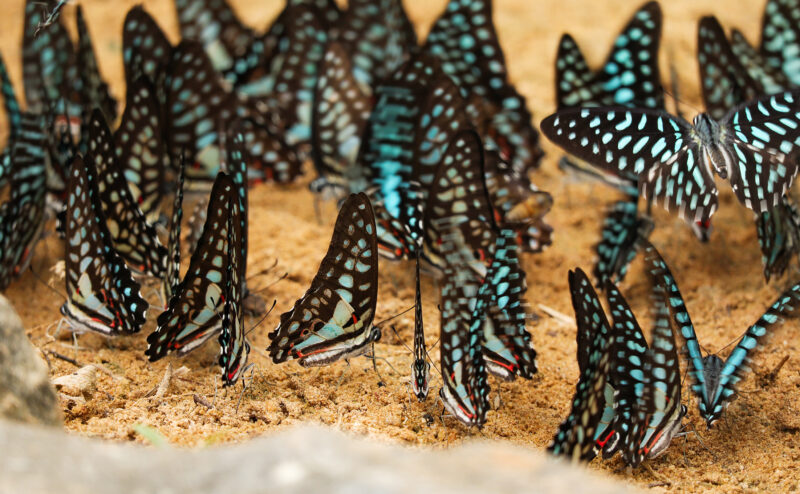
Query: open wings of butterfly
[101, 293]
[754, 147]
[715, 380]
[333, 319]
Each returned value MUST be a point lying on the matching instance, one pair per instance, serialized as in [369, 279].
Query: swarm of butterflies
[428, 149]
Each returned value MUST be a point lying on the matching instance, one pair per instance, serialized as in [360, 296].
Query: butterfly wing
[333, 320]
[140, 147]
[172, 272]
[655, 146]
[763, 134]
[465, 389]
[234, 347]
[620, 238]
[420, 367]
[340, 112]
[193, 313]
[134, 239]
[779, 35]
[10, 103]
[94, 90]
[575, 438]
[101, 293]
[378, 36]
[145, 49]
[630, 75]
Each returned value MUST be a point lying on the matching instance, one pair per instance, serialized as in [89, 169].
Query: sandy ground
[754, 449]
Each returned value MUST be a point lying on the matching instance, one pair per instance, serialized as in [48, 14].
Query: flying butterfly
[333, 319]
[193, 313]
[575, 438]
[101, 293]
[715, 380]
[732, 72]
[464, 39]
[133, 237]
[753, 147]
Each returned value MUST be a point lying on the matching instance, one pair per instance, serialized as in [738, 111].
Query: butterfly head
[708, 133]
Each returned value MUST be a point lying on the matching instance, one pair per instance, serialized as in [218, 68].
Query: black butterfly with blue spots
[333, 319]
[715, 380]
[102, 295]
[420, 368]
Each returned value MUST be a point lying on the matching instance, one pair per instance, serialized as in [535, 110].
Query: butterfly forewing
[420, 367]
[95, 91]
[172, 273]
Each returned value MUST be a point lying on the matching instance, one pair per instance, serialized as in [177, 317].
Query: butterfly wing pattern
[575, 438]
[193, 314]
[134, 238]
[333, 319]
[172, 272]
[420, 367]
[101, 293]
[715, 380]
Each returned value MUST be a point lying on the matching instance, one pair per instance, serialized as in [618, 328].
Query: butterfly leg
[341, 378]
[251, 368]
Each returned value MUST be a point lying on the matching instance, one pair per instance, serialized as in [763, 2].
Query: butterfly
[752, 147]
[193, 313]
[145, 50]
[134, 238]
[378, 37]
[22, 215]
[733, 73]
[234, 347]
[101, 293]
[340, 111]
[465, 388]
[630, 77]
[464, 40]
[140, 147]
[420, 368]
[575, 438]
[12, 108]
[715, 380]
[333, 319]
[647, 410]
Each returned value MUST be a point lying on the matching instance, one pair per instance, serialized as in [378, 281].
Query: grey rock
[26, 394]
[302, 460]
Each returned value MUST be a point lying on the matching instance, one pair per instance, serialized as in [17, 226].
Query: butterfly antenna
[380, 324]
[263, 271]
[260, 320]
[39, 278]
[283, 277]
[399, 338]
[674, 85]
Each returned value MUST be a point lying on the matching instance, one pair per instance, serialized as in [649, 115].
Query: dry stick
[199, 400]
[773, 374]
[558, 316]
[65, 358]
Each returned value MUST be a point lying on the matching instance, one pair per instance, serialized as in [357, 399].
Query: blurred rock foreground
[26, 394]
[301, 460]
[307, 459]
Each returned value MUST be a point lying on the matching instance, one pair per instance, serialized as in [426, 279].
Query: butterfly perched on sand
[101, 293]
[194, 312]
[464, 40]
[134, 238]
[753, 147]
[465, 388]
[420, 368]
[146, 51]
[646, 381]
[333, 319]
[715, 380]
[575, 438]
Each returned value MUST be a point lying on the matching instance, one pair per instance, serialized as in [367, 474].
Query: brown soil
[754, 449]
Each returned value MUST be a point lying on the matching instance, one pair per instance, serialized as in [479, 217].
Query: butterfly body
[420, 367]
